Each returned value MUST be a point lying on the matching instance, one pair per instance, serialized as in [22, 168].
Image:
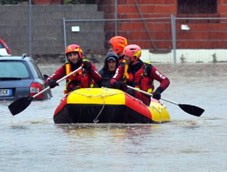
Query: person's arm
[51, 80]
[164, 82]
[99, 83]
[95, 75]
[91, 70]
[116, 80]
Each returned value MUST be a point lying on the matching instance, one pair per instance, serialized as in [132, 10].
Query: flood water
[30, 141]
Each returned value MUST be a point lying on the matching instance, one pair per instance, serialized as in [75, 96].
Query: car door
[15, 79]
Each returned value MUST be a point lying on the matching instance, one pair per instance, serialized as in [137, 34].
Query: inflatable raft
[105, 105]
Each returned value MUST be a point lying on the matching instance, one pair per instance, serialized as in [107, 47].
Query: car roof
[24, 58]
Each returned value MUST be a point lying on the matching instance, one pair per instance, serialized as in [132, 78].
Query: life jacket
[140, 79]
[79, 79]
[132, 79]
[146, 83]
[125, 70]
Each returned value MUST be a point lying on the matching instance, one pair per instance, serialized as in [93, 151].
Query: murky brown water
[30, 141]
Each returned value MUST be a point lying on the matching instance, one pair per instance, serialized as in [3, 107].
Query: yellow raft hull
[107, 105]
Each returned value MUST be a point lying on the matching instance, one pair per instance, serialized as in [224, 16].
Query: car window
[37, 69]
[1, 45]
[13, 69]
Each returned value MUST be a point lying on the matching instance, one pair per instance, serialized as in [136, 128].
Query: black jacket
[105, 73]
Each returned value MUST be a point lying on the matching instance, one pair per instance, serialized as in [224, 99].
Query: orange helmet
[133, 51]
[118, 43]
[74, 48]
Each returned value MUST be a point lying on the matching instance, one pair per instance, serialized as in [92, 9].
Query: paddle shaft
[149, 94]
[191, 109]
[22, 103]
[57, 82]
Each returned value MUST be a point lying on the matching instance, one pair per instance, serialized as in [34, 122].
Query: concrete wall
[187, 56]
[47, 28]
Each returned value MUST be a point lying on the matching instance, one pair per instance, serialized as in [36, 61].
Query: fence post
[64, 32]
[30, 28]
[173, 28]
[115, 17]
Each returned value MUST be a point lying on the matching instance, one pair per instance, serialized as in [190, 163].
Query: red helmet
[133, 51]
[74, 48]
[118, 43]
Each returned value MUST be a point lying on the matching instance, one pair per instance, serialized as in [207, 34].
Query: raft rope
[159, 110]
[96, 118]
[155, 108]
[104, 103]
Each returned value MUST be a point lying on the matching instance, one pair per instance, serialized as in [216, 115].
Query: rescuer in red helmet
[136, 73]
[86, 77]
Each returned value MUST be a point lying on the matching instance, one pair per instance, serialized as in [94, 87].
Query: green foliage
[72, 1]
[3, 2]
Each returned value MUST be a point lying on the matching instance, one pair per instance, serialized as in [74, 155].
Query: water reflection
[119, 131]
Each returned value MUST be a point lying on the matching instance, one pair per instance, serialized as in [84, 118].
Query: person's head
[117, 44]
[132, 53]
[111, 61]
[73, 53]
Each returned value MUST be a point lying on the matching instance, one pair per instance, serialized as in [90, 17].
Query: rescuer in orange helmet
[117, 44]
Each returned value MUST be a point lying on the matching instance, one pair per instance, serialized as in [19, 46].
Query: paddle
[22, 103]
[191, 109]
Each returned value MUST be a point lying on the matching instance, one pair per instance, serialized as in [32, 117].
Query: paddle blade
[193, 110]
[19, 105]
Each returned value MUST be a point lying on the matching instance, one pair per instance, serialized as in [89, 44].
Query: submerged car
[4, 49]
[21, 77]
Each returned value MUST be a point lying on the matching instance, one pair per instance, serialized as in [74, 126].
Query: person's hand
[52, 83]
[157, 93]
[87, 66]
[120, 85]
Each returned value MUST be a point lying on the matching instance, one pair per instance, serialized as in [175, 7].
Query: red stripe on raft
[138, 106]
[61, 105]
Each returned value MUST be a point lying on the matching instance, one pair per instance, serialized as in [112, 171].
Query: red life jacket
[140, 79]
[146, 83]
[80, 79]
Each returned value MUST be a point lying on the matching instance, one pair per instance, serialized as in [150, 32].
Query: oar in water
[22, 103]
[191, 109]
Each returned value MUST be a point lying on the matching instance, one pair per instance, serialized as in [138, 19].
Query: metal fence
[168, 39]
[205, 39]
[164, 39]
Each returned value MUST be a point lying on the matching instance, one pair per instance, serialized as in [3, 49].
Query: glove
[131, 92]
[52, 83]
[120, 85]
[87, 66]
[157, 93]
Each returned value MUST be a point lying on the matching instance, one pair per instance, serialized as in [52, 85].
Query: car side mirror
[45, 76]
[24, 55]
